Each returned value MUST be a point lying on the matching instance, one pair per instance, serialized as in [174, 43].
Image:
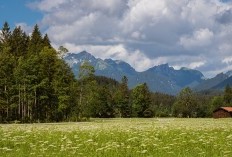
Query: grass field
[119, 137]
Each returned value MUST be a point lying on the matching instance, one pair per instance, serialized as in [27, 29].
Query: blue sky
[17, 11]
[195, 34]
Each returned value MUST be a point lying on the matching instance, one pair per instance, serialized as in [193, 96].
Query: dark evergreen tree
[26, 80]
[122, 99]
[36, 41]
[141, 101]
[63, 83]
[5, 34]
[46, 41]
[6, 83]
[162, 104]
[18, 42]
[34, 86]
[228, 96]
[5, 37]
[48, 68]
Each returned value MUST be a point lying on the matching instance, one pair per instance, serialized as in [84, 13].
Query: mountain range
[162, 78]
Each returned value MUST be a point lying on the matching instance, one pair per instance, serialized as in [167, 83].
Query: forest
[36, 85]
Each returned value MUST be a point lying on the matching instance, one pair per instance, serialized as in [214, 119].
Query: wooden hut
[223, 112]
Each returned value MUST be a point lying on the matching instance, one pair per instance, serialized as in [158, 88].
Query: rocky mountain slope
[162, 78]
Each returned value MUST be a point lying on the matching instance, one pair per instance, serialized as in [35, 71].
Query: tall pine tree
[141, 101]
[122, 99]
[36, 43]
[18, 42]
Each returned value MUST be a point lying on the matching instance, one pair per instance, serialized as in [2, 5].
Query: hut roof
[228, 109]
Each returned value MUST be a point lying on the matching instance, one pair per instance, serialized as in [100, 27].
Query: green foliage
[162, 104]
[216, 102]
[18, 42]
[46, 41]
[35, 85]
[228, 96]
[203, 105]
[86, 90]
[141, 101]
[6, 74]
[122, 99]
[186, 104]
[5, 37]
[36, 42]
[221, 100]
[6, 33]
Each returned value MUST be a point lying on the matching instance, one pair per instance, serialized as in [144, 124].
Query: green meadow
[155, 137]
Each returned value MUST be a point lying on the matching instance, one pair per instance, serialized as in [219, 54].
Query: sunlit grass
[119, 137]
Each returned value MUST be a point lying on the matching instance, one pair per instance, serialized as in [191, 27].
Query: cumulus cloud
[227, 60]
[28, 29]
[144, 33]
[199, 38]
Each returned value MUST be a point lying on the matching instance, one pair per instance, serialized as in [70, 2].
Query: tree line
[36, 85]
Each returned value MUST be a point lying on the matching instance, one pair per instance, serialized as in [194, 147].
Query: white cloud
[136, 58]
[28, 29]
[227, 60]
[194, 65]
[199, 38]
[46, 5]
[192, 33]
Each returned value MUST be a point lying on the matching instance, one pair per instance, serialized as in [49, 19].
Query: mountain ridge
[161, 78]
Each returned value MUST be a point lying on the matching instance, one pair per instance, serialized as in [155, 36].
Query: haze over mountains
[162, 78]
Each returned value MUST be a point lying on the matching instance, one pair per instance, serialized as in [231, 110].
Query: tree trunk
[7, 102]
[19, 103]
[80, 104]
[35, 104]
[25, 101]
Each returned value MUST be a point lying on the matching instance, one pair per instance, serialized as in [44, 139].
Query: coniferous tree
[46, 41]
[6, 70]
[48, 67]
[162, 104]
[6, 82]
[36, 85]
[5, 34]
[107, 92]
[5, 37]
[18, 42]
[228, 95]
[100, 103]
[26, 87]
[122, 99]
[36, 41]
[63, 83]
[141, 101]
